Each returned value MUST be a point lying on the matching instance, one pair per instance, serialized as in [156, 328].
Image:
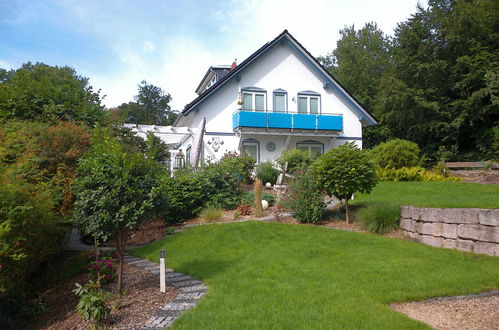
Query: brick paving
[190, 292]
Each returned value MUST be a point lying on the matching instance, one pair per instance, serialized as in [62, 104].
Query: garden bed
[140, 300]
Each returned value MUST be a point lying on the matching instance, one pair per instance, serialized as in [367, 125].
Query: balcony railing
[300, 121]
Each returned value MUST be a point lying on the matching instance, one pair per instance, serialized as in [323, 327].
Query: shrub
[304, 199]
[248, 197]
[297, 159]
[29, 232]
[266, 172]
[244, 209]
[379, 217]
[102, 266]
[188, 192]
[396, 153]
[241, 165]
[343, 171]
[411, 174]
[91, 306]
[211, 214]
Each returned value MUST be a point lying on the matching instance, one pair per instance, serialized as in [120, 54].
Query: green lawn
[433, 194]
[278, 276]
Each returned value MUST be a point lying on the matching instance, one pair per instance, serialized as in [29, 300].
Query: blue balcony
[277, 120]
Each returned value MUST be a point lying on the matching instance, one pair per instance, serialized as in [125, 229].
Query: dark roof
[189, 107]
[220, 70]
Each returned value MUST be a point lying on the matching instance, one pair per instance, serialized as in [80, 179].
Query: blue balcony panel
[279, 120]
[303, 121]
[275, 120]
[252, 119]
[330, 122]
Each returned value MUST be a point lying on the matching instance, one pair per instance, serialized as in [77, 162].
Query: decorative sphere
[265, 204]
[268, 185]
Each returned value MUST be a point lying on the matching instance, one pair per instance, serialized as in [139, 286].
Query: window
[188, 155]
[251, 147]
[254, 99]
[280, 100]
[309, 103]
[212, 82]
[316, 148]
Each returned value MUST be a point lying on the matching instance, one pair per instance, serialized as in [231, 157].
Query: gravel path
[480, 312]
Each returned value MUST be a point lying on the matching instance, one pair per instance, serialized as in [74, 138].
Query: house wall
[280, 67]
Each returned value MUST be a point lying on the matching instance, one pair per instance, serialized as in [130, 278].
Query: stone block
[464, 245]
[424, 228]
[431, 215]
[449, 230]
[416, 213]
[469, 216]
[451, 215]
[432, 240]
[479, 233]
[408, 224]
[488, 217]
[413, 236]
[492, 249]
[437, 229]
[405, 212]
[449, 243]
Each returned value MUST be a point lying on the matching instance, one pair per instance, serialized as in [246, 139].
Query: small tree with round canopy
[343, 171]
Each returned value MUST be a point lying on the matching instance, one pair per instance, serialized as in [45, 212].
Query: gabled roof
[330, 81]
[220, 70]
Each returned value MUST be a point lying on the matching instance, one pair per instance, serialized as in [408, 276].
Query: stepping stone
[194, 288]
[181, 306]
[185, 283]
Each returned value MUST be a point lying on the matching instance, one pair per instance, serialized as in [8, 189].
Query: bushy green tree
[396, 153]
[151, 107]
[342, 171]
[47, 93]
[115, 192]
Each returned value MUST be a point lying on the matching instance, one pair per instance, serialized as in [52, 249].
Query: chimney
[234, 65]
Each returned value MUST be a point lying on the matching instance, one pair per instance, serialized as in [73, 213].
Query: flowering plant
[102, 266]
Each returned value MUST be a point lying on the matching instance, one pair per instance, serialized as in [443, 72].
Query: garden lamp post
[162, 271]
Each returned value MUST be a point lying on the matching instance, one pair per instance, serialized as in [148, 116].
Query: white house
[279, 98]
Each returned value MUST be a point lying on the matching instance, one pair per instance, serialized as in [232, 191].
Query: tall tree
[443, 92]
[151, 107]
[47, 93]
[360, 59]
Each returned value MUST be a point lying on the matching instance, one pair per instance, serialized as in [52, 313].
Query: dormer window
[212, 82]
[254, 99]
[309, 102]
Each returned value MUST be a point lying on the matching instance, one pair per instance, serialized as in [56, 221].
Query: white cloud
[5, 65]
[177, 61]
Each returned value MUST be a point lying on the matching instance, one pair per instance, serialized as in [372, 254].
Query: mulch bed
[478, 176]
[140, 301]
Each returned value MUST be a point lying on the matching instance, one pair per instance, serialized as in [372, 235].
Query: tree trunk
[347, 211]
[121, 242]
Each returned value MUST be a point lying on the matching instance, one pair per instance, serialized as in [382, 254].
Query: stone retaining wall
[471, 230]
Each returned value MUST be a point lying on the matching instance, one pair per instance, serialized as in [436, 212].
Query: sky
[172, 43]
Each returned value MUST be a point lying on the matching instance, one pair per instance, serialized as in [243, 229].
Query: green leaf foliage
[266, 172]
[47, 93]
[342, 171]
[304, 199]
[298, 160]
[29, 232]
[396, 153]
[115, 189]
[151, 107]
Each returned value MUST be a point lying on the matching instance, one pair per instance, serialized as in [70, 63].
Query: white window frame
[252, 143]
[253, 100]
[285, 102]
[310, 145]
[309, 97]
